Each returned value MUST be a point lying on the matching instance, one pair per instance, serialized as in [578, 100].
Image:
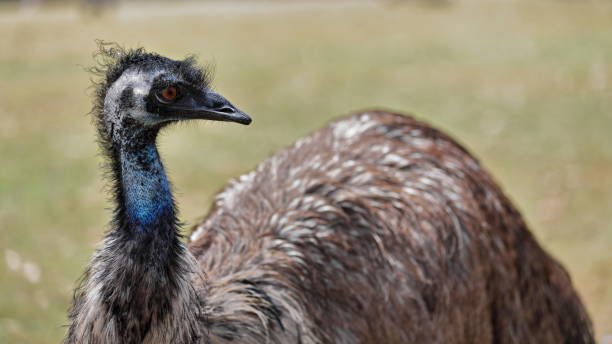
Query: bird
[377, 228]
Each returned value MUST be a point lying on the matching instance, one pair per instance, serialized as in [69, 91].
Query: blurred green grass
[527, 87]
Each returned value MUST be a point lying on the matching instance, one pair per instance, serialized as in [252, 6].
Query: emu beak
[206, 105]
[213, 106]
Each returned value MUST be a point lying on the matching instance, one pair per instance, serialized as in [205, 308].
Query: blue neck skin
[148, 202]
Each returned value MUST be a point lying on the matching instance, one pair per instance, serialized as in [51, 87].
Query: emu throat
[147, 198]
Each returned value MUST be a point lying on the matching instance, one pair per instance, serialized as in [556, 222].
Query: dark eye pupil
[169, 93]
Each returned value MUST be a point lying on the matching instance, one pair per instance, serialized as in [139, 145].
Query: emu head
[142, 92]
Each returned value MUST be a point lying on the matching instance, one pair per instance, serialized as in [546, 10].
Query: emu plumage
[375, 229]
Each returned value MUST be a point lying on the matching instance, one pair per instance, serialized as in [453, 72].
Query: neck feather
[146, 202]
[139, 287]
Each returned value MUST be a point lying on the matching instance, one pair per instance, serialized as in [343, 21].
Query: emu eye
[169, 94]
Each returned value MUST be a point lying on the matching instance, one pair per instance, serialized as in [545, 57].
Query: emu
[375, 229]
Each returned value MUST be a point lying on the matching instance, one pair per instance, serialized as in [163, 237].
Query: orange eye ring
[169, 93]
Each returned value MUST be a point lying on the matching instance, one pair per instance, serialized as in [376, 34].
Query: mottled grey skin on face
[375, 229]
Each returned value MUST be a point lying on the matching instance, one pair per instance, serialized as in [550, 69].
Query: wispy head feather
[112, 60]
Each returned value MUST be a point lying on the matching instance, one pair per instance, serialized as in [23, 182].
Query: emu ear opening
[184, 104]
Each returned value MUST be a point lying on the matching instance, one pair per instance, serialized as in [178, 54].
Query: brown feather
[378, 229]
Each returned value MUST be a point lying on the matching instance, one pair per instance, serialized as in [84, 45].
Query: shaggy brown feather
[378, 229]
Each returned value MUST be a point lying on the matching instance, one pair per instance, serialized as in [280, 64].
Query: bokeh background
[526, 85]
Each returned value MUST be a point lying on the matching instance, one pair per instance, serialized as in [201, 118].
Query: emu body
[381, 229]
[375, 229]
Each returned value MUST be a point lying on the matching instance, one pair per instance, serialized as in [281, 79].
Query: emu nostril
[227, 109]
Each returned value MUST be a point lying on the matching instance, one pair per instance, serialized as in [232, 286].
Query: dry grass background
[526, 86]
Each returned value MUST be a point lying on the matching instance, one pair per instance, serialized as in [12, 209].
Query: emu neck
[146, 203]
[138, 288]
